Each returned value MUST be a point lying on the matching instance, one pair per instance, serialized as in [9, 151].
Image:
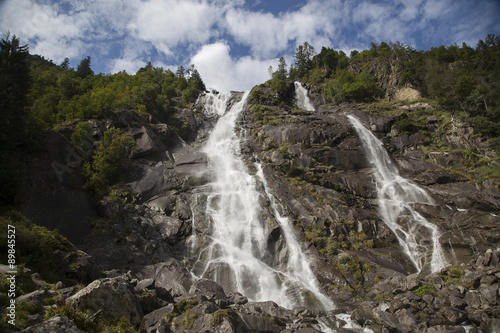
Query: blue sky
[233, 42]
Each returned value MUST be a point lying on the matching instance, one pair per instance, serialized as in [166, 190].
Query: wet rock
[258, 323]
[268, 308]
[237, 298]
[210, 289]
[171, 229]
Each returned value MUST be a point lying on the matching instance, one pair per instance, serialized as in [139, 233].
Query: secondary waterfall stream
[397, 198]
[236, 253]
[303, 101]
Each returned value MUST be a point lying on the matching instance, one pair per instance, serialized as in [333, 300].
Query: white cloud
[411, 10]
[221, 72]
[268, 35]
[173, 22]
[55, 35]
[124, 35]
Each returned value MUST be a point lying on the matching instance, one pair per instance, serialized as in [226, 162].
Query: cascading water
[303, 101]
[236, 253]
[397, 198]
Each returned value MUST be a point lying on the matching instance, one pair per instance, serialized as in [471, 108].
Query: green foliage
[303, 57]
[107, 162]
[219, 315]
[278, 85]
[181, 307]
[90, 322]
[426, 288]
[34, 245]
[351, 265]
[384, 296]
[83, 70]
[14, 118]
[347, 86]
[331, 244]
[294, 170]
[454, 274]
[60, 94]
[188, 320]
[82, 139]
[406, 126]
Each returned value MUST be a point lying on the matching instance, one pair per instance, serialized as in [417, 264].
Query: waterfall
[235, 253]
[397, 198]
[303, 101]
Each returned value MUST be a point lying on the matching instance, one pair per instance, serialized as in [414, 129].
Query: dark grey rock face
[317, 170]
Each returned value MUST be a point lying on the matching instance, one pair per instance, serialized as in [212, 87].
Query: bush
[108, 161]
[426, 288]
[34, 245]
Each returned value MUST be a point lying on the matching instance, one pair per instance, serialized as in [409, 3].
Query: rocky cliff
[148, 235]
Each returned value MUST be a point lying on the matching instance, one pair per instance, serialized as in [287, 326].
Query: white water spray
[303, 101]
[397, 197]
[236, 254]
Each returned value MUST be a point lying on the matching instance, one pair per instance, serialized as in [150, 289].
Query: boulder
[36, 298]
[152, 321]
[445, 329]
[210, 289]
[113, 296]
[56, 324]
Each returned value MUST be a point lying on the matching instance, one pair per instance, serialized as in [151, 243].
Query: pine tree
[83, 70]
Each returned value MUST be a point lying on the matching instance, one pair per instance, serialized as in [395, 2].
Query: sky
[232, 43]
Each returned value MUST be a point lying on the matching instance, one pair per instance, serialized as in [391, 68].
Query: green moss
[454, 274]
[181, 307]
[218, 316]
[188, 320]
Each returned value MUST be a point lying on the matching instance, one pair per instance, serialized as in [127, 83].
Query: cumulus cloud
[124, 35]
[169, 23]
[220, 71]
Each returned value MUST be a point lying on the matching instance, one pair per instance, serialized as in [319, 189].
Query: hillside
[128, 169]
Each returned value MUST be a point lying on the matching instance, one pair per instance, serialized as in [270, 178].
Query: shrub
[426, 288]
[34, 246]
[108, 161]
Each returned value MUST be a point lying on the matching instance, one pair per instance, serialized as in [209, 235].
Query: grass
[218, 316]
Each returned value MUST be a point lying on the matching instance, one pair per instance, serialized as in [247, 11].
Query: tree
[14, 86]
[303, 59]
[277, 83]
[180, 71]
[83, 70]
[65, 63]
[195, 79]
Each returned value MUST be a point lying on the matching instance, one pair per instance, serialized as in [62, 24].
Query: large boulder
[56, 324]
[113, 296]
